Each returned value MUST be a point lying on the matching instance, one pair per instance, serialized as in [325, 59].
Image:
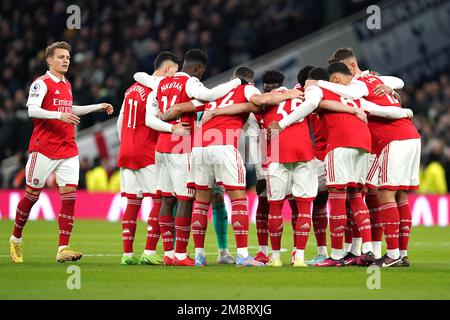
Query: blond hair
[50, 50]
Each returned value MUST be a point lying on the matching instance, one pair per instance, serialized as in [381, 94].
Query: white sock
[16, 240]
[322, 251]
[394, 254]
[128, 254]
[356, 246]
[149, 252]
[223, 252]
[336, 254]
[264, 249]
[169, 254]
[180, 256]
[347, 247]
[377, 249]
[366, 247]
[403, 253]
[62, 247]
[242, 252]
[200, 252]
[275, 254]
[300, 255]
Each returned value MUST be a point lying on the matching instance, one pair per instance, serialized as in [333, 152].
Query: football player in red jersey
[395, 170]
[173, 151]
[53, 148]
[215, 156]
[137, 161]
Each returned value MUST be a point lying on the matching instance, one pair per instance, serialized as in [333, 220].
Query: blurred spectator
[17, 179]
[84, 168]
[97, 177]
[114, 181]
[433, 177]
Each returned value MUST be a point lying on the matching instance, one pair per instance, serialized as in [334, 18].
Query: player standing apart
[53, 149]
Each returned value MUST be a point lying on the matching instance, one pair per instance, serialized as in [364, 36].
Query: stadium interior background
[117, 39]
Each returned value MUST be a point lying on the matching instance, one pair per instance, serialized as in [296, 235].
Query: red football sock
[375, 216]
[65, 217]
[303, 223]
[183, 231]
[129, 224]
[199, 223]
[391, 222]
[294, 218]
[239, 221]
[262, 228]
[166, 227]
[276, 224]
[361, 216]
[405, 224]
[23, 212]
[338, 218]
[320, 223]
[153, 231]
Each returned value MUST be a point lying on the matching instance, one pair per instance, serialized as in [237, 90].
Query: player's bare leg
[22, 213]
[405, 225]
[167, 226]
[239, 221]
[183, 231]
[65, 224]
[391, 222]
[338, 221]
[200, 224]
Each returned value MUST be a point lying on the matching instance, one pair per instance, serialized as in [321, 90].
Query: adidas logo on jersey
[57, 91]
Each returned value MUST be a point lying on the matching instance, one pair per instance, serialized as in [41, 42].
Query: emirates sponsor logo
[62, 102]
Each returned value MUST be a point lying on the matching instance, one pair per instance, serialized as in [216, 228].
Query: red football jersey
[225, 130]
[51, 137]
[320, 137]
[344, 130]
[383, 130]
[172, 90]
[293, 144]
[137, 141]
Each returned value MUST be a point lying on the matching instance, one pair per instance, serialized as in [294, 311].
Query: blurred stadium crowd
[120, 37]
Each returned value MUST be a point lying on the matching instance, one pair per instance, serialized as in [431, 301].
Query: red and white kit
[138, 175]
[320, 148]
[396, 143]
[215, 156]
[349, 144]
[52, 144]
[291, 170]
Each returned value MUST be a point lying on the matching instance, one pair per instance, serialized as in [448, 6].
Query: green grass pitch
[102, 276]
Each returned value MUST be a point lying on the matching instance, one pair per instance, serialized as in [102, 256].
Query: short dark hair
[50, 50]
[341, 54]
[244, 72]
[338, 67]
[273, 77]
[302, 75]
[318, 74]
[164, 56]
[196, 56]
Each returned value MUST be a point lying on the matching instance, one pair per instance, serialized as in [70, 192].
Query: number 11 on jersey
[132, 103]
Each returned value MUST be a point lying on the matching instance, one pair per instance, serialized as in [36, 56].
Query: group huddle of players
[179, 146]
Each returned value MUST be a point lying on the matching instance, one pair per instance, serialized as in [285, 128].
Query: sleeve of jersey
[199, 105]
[355, 90]
[151, 120]
[196, 89]
[393, 82]
[313, 96]
[38, 90]
[250, 91]
[120, 120]
[82, 110]
[389, 112]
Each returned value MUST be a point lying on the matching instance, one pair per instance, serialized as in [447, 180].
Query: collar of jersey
[182, 74]
[54, 78]
[365, 72]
